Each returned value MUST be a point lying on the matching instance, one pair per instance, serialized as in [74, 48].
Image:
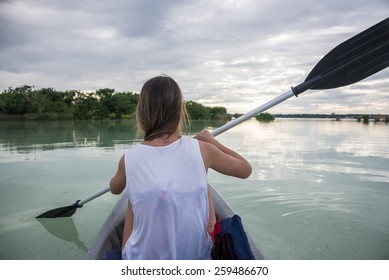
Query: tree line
[31, 103]
[358, 117]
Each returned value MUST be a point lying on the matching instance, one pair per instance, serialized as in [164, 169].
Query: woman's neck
[163, 140]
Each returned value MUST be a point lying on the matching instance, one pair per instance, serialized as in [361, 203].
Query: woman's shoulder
[188, 139]
[134, 149]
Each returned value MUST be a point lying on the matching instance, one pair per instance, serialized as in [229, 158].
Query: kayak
[111, 233]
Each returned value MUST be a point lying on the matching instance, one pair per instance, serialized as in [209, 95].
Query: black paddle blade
[353, 60]
[66, 211]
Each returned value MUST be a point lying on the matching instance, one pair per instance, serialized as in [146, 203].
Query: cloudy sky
[233, 53]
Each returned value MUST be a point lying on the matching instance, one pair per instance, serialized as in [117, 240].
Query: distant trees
[265, 117]
[47, 103]
[198, 111]
[28, 102]
[17, 101]
[119, 105]
[375, 118]
[219, 113]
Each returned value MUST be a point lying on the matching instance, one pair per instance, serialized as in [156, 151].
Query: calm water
[319, 188]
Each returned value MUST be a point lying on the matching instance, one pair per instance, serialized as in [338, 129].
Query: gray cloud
[237, 54]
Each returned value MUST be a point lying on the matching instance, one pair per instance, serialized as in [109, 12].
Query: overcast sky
[233, 53]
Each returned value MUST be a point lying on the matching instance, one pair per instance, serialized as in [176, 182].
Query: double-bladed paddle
[353, 60]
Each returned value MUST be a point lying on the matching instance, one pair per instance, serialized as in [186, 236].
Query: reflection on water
[29, 136]
[65, 229]
[25, 137]
[319, 189]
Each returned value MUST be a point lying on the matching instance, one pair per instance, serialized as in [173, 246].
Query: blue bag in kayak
[113, 254]
[230, 240]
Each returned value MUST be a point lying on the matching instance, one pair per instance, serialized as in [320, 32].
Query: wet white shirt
[167, 187]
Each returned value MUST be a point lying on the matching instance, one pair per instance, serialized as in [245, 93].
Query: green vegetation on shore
[265, 117]
[359, 117]
[30, 103]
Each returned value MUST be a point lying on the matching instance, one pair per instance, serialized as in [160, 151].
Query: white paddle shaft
[253, 112]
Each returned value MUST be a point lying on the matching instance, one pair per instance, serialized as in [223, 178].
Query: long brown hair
[161, 109]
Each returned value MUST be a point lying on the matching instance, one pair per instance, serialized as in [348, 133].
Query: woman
[170, 212]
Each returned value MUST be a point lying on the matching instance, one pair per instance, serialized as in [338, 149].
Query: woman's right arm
[118, 182]
[221, 158]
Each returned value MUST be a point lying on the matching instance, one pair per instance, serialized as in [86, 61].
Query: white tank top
[167, 187]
